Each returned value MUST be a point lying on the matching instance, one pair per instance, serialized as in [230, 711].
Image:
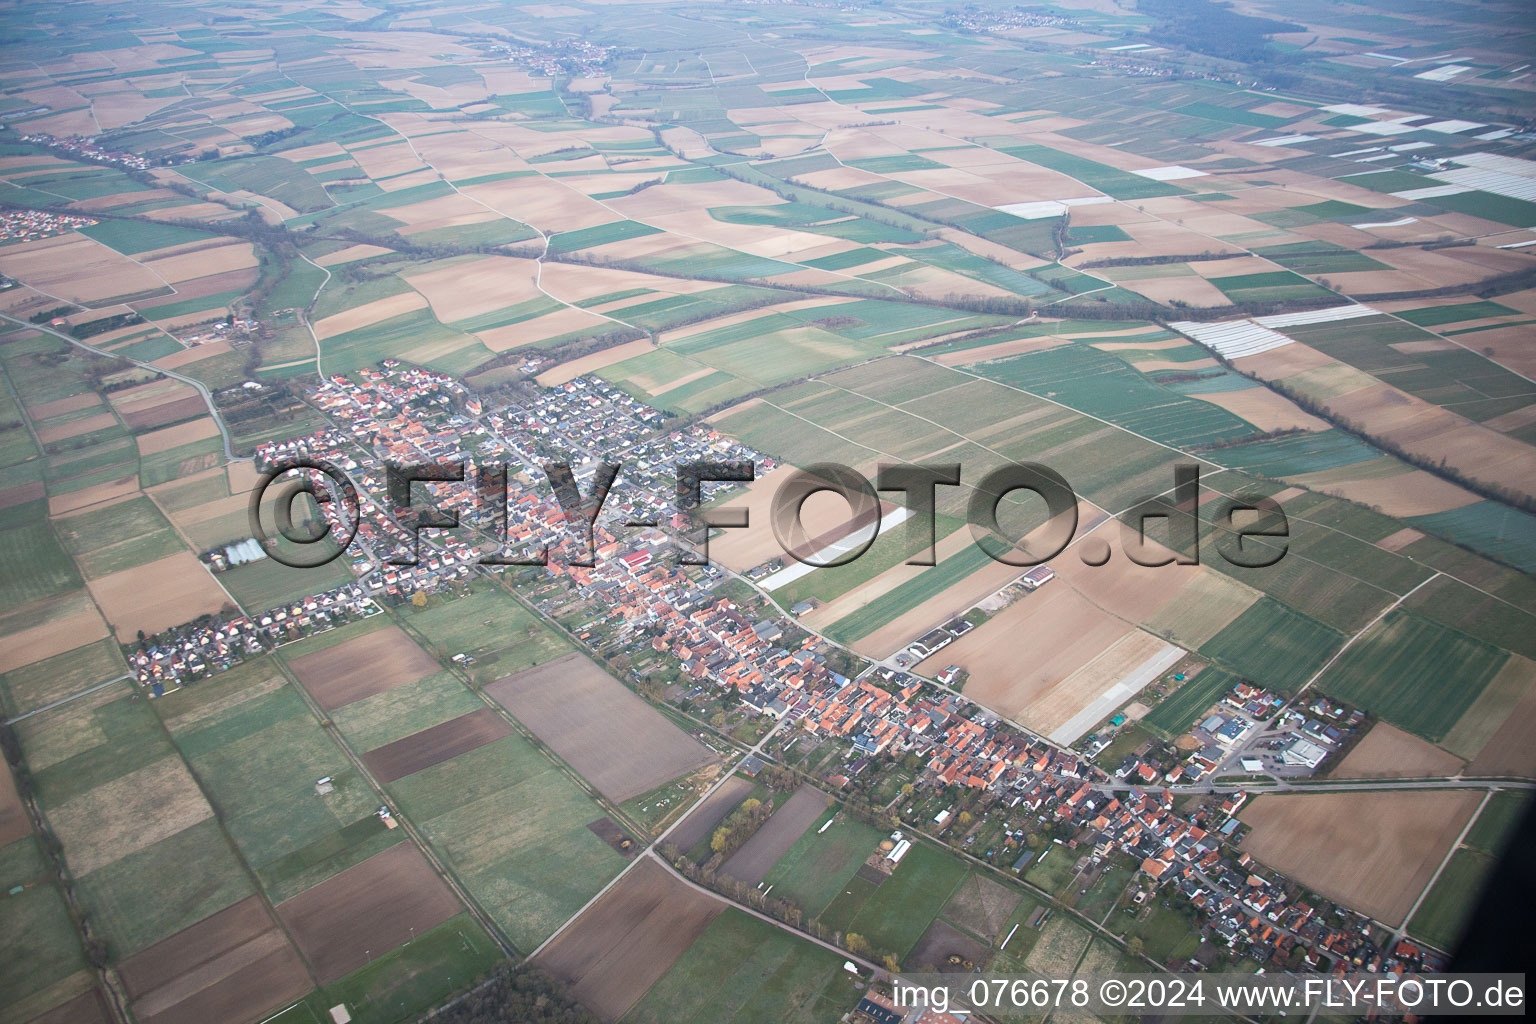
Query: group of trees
[95, 950]
[1154, 261]
[737, 828]
[1214, 29]
[516, 994]
[1511, 496]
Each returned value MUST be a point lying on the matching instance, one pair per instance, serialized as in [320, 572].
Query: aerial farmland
[805, 500]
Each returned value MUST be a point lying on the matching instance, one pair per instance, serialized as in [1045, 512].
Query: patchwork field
[122, 801]
[618, 948]
[362, 666]
[514, 828]
[911, 235]
[233, 965]
[381, 902]
[435, 744]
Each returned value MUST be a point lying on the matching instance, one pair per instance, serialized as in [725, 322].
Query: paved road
[65, 700]
[202, 390]
[1342, 786]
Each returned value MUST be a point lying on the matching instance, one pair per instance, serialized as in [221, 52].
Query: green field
[894, 914]
[1182, 709]
[257, 751]
[1414, 673]
[36, 566]
[1267, 287]
[267, 583]
[405, 709]
[815, 870]
[416, 335]
[1231, 115]
[1450, 901]
[1098, 383]
[503, 636]
[43, 682]
[117, 537]
[1109, 180]
[746, 971]
[1434, 316]
[132, 237]
[269, 175]
[514, 828]
[41, 964]
[1500, 816]
[1488, 526]
[601, 234]
[1273, 645]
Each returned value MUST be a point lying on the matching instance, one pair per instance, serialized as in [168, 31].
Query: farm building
[1037, 577]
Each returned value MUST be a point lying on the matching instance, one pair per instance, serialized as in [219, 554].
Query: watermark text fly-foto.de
[1250, 531]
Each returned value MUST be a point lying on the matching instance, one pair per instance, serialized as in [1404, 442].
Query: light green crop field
[257, 750]
[514, 828]
[1416, 674]
[38, 566]
[746, 971]
[1447, 907]
[1181, 709]
[1273, 645]
[402, 710]
[503, 636]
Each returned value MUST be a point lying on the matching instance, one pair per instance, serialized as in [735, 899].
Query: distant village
[566, 57]
[84, 148]
[701, 639]
[30, 225]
